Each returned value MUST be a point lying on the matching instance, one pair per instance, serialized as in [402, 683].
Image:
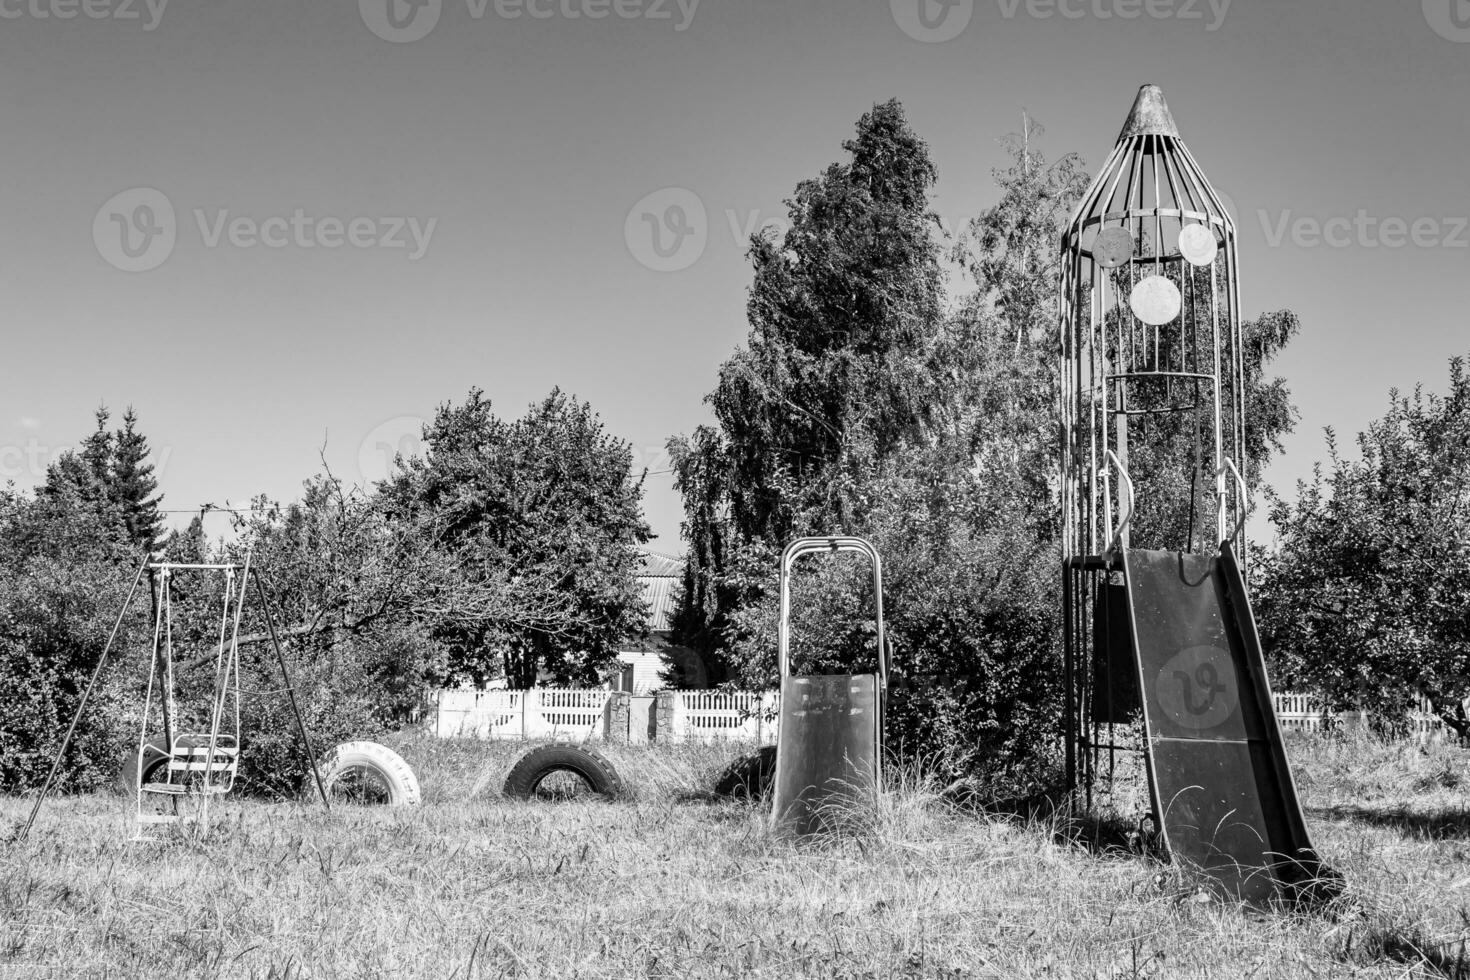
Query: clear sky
[334, 224]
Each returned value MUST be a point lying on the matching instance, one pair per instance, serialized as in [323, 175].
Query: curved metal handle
[1115, 540]
[808, 546]
[1245, 498]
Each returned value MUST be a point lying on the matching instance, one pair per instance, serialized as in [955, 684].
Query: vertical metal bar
[1069, 618]
[166, 702]
[270, 624]
[82, 705]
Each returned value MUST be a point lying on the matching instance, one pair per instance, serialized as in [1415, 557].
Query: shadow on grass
[1441, 824]
[1108, 836]
[1409, 947]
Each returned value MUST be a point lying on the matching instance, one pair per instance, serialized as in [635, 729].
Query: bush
[63, 578]
[362, 688]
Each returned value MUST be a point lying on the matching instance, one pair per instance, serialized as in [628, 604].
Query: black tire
[367, 773]
[155, 755]
[528, 777]
[750, 777]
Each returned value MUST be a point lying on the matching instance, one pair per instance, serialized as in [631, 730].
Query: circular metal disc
[1197, 244]
[1114, 247]
[1156, 301]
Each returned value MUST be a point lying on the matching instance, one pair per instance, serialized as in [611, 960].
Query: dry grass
[671, 884]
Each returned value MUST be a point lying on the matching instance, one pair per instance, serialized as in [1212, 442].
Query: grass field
[672, 884]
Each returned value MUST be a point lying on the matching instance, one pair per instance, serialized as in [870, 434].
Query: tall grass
[673, 883]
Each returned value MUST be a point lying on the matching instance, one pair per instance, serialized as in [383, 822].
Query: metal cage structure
[1152, 370]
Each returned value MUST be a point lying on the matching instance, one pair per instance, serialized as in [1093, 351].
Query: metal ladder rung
[203, 750]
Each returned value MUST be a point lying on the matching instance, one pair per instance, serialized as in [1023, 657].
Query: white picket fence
[547, 713]
[711, 715]
[1303, 713]
[692, 716]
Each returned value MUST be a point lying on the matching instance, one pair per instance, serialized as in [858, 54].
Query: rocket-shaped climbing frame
[1163, 660]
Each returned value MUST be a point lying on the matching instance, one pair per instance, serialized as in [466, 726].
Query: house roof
[659, 565]
[660, 579]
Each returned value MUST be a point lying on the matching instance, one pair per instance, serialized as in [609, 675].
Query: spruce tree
[132, 485]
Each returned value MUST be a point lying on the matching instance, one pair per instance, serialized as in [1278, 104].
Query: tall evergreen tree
[98, 448]
[112, 473]
[833, 378]
[132, 485]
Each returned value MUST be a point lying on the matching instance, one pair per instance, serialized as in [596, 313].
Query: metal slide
[1222, 785]
[829, 743]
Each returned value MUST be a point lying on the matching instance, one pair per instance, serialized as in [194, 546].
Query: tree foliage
[930, 433]
[537, 520]
[64, 571]
[113, 474]
[1366, 599]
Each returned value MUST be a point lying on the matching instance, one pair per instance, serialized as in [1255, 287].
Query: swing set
[188, 750]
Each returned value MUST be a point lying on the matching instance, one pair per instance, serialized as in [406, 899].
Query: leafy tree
[951, 480]
[537, 519]
[1366, 599]
[832, 378]
[64, 570]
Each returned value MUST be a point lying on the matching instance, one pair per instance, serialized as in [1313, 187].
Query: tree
[111, 472]
[945, 441]
[538, 520]
[132, 485]
[832, 378]
[64, 570]
[1366, 599]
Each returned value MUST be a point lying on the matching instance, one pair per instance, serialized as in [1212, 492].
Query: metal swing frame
[201, 765]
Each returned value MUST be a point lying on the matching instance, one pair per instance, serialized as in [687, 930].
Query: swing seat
[191, 753]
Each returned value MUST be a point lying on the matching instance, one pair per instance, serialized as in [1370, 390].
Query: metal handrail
[807, 546]
[1245, 497]
[1115, 543]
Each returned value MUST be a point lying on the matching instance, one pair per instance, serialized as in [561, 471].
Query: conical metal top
[1150, 116]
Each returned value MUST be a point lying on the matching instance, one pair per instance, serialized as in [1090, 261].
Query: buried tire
[562, 772]
[749, 777]
[367, 773]
[155, 755]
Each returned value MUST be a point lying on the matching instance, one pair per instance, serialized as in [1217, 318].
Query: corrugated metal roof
[658, 564]
[660, 577]
[658, 592]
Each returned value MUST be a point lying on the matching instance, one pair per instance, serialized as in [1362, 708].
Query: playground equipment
[188, 749]
[829, 747]
[1152, 367]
